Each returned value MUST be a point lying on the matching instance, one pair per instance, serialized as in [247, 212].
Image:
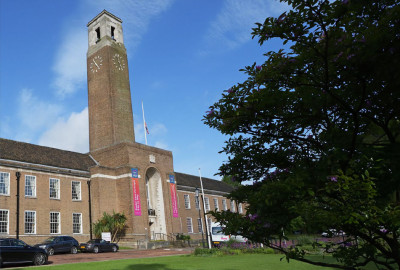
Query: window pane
[3, 221]
[200, 225]
[54, 188]
[76, 190]
[4, 183]
[189, 225]
[77, 223]
[30, 220]
[187, 201]
[207, 202]
[54, 222]
[30, 186]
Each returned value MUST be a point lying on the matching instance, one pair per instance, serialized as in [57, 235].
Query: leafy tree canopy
[316, 127]
[115, 224]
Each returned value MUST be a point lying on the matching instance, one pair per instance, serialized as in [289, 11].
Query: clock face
[119, 62]
[96, 63]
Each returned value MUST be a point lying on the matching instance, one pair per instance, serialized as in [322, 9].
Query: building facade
[46, 191]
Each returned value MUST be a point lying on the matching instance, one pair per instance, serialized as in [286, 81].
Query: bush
[304, 240]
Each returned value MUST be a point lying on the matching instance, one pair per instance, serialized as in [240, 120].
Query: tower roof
[101, 14]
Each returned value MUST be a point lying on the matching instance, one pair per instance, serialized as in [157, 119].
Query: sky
[182, 54]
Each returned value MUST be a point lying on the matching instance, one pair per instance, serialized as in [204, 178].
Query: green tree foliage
[115, 224]
[316, 127]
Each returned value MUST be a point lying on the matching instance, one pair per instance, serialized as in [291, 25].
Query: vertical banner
[136, 194]
[173, 196]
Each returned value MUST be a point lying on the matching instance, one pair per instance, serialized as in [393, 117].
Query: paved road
[107, 256]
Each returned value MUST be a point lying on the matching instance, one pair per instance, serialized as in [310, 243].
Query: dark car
[17, 251]
[59, 244]
[98, 245]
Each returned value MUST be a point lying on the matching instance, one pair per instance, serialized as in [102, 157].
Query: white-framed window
[209, 224]
[55, 222]
[189, 225]
[207, 202]
[200, 225]
[76, 222]
[4, 221]
[54, 188]
[224, 205]
[216, 206]
[240, 208]
[76, 190]
[187, 201]
[30, 186]
[4, 183]
[30, 222]
[197, 202]
[233, 209]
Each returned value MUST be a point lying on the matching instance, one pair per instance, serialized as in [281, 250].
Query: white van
[218, 236]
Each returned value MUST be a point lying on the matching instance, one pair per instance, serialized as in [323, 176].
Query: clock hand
[96, 64]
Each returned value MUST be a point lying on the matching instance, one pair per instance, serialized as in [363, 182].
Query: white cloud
[70, 64]
[34, 113]
[232, 27]
[161, 145]
[69, 134]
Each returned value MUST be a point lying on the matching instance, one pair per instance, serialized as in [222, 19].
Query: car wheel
[114, 249]
[50, 251]
[39, 259]
[74, 250]
[96, 249]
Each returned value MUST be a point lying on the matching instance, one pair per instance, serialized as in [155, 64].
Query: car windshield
[91, 241]
[50, 239]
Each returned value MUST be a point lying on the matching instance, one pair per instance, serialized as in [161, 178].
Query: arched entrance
[155, 204]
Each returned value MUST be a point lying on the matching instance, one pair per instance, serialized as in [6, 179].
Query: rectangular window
[224, 205]
[240, 208]
[77, 223]
[30, 186]
[233, 206]
[54, 188]
[200, 225]
[209, 224]
[54, 222]
[189, 225]
[216, 206]
[207, 202]
[197, 202]
[3, 221]
[4, 183]
[76, 190]
[30, 222]
[187, 201]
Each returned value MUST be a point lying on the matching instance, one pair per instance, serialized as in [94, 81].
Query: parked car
[17, 251]
[98, 245]
[58, 244]
[332, 233]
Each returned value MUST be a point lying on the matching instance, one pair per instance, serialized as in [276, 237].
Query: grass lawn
[187, 262]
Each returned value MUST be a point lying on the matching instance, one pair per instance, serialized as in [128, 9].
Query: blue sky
[181, 54]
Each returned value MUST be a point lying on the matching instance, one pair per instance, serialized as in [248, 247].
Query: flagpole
[204, 209]
[144, 125]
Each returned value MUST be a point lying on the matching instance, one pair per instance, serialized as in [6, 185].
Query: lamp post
[201, 223]
[18, 175]
[204, 211]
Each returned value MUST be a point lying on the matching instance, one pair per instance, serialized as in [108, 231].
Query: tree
[115, 224]
[316, 127]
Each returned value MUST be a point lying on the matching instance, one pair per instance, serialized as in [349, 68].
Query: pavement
[108, 256]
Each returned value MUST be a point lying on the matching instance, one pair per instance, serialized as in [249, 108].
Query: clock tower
[110, 107]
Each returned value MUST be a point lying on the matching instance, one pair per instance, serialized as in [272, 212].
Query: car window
[4, 242]
[20, 243]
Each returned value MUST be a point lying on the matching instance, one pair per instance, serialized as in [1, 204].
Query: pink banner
[136, 194]
[173, 200]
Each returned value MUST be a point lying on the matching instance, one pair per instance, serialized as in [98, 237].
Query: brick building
[117, 174]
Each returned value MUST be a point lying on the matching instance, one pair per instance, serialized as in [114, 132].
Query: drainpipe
[18, 175]
[90, 211]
